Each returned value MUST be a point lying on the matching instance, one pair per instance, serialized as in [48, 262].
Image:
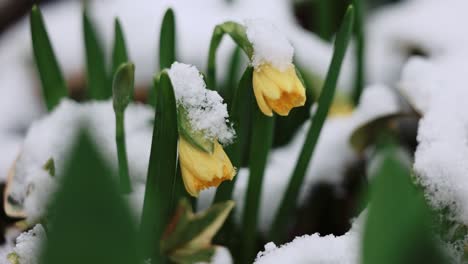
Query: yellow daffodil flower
[276, 90]
[200, 169]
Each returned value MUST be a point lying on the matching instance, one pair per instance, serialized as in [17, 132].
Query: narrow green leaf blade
[119, 51]
[360, 51]
[161, 171]
[52, 81]
[240, 110]
[262, 138]
[99, 86]
[167, 40]
[398, 226]
[90, 222]
[288, 203]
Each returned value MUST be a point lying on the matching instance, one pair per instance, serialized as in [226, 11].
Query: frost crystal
[270, 46]
[205, 108]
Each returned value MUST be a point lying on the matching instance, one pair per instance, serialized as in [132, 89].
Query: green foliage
[90, 222]
[167, 40]
[123, 86]
[398, 227]
[262, 139]
[122, 89]
[52, 81]
[196, 138]
[161, 171]
[360, 51]
[188, 237]
[119, 51]
[288, 202]
[239, 114]
[98, 82]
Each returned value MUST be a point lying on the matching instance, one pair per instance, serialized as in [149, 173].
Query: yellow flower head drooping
[276, 83]
[203, 125]
[276, 90]
[201, 169]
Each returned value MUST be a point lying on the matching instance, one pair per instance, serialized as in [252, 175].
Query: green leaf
[52, 81]
[98, 82]
[398, 226]
[167, 40]
[239, 114]
[288, 203]
[89, 221]
[194, 137]
[360, 51]
[161, 171]
[262, 139]
[238, 33]
[119, 51]
[189, 233]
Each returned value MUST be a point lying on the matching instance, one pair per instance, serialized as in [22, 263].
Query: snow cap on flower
[269, 45]
[205, 108]
[277, 86]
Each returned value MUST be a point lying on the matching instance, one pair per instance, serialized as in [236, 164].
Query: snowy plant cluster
[416, 65]
[205, 108]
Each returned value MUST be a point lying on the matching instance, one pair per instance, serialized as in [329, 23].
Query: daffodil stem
[238, 34]
[262, 138]
[125, 183]
[288, 203]
[360, 51]
[211, 71]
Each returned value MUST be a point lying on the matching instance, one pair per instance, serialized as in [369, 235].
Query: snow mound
[53, 137]
[437, 88]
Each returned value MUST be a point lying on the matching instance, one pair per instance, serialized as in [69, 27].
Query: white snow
[333, 154]
[29, 244]
[437, 88]
[430, 26]
[269, 44]
[205, 108]
[53, 136]
[221, 256]
[316, 249]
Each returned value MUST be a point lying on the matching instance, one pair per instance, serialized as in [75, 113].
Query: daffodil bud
[122, 87]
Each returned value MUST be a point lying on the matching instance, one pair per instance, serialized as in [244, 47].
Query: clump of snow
[205, 108]
[428, 28]
[437, 88]
[317, 249]
[333, 155]
[269, 44]
[53, 137]
[221, 256]
[29, 244]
